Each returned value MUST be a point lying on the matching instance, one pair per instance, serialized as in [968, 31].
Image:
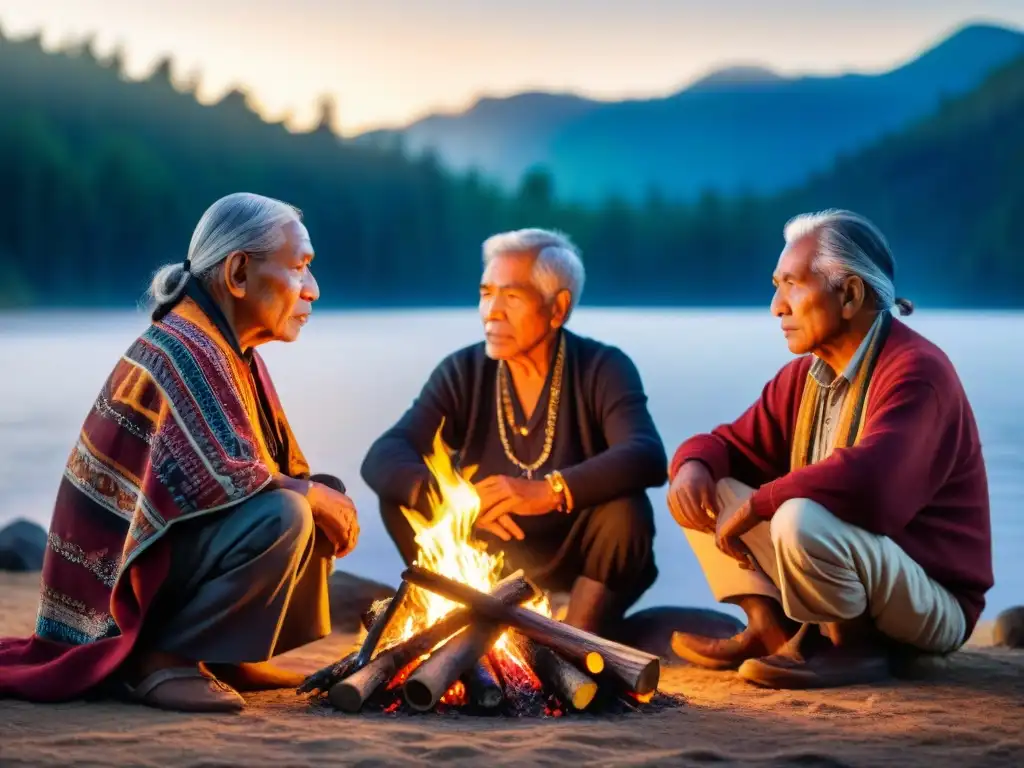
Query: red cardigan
[917, 475]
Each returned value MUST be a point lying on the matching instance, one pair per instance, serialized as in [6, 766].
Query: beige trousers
[822, 570]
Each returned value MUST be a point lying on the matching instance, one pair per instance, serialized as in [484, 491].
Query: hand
[727, 538]
[335, 514]
[502, 496]
[692, 498]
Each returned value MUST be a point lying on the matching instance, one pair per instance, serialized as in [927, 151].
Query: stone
[651, 629]
[22, 546]
[1008, 628]
[350, 597]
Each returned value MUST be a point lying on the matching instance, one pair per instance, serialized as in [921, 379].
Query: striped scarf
[854, 410]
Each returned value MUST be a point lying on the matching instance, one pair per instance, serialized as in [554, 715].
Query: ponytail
[167, 288]
[905, 306]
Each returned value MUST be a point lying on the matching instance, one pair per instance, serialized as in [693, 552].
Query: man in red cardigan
[846, 511]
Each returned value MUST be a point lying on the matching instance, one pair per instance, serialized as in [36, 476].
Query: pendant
[524, 431]
[528, 474]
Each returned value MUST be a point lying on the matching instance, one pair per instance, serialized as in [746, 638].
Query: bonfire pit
[493, 656]
[456, 635]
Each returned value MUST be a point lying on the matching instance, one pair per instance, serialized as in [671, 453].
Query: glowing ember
[500, 678]
[455, 696]
[518, 674]
[446, 546]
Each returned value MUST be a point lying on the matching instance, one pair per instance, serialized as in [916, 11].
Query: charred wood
[637, 670]
[350, 693]
[483, 685]
[573, 687]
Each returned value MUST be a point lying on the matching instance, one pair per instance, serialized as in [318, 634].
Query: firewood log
[322, 680]
[379, 625]
[436, 674]
[563, 678]
[637, 670]
[483, 685]
[351, 693]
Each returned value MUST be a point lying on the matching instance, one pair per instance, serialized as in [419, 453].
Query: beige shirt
[837, 388]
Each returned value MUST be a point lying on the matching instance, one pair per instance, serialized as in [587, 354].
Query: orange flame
[446, 546]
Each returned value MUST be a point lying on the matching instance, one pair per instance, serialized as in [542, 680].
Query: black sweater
[606, 444]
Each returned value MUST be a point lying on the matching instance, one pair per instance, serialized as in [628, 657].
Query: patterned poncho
[184, 426]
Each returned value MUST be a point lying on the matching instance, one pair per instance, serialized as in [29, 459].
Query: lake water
[352, 374]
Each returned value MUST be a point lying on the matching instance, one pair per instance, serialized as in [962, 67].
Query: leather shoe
[811, 660]
[718, 653]
[768, 630]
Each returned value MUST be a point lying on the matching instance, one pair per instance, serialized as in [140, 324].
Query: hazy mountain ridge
[498, 135]
[948, 189]
[739, 130]
[106, 177]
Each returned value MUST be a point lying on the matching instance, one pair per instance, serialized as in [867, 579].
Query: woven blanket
[176, 432]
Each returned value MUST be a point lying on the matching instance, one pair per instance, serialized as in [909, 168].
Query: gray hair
[558, 265]
[242, 221]
[849, 244]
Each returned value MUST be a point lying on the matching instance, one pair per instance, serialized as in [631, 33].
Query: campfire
[459, 634]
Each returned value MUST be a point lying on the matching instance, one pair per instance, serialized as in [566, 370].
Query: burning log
[572, 686]
[485, 690]
[350, 694]
[322, 680]
[434, 677]
[379, 625]
[637, 670]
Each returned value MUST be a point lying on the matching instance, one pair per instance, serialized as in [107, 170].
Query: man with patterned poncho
[189, 543]
[846, 511]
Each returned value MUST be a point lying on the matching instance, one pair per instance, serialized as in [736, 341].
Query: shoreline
[966, 710]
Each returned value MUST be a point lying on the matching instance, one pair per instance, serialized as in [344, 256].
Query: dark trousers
[246, 583]
[612, 543]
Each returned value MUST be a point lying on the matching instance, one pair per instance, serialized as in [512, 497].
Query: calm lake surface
[352, 374]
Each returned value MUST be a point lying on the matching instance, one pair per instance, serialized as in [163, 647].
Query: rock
[350, 596]
[22, 546]
[651, 629]
[1008, 628]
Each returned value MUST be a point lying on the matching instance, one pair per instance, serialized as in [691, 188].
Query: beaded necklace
[505, 412]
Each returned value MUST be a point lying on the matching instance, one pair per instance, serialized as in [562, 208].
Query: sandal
[184, 689]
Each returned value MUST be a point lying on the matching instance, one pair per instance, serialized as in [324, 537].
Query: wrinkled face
[515, 314]
[811, 312]
[274, 295]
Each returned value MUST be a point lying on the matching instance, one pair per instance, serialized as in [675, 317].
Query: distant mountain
[105, 177]
[739, 130]
[948, 191]
[736, 77]
[501, 137]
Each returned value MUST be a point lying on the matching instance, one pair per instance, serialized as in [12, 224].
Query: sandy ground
[968, 712]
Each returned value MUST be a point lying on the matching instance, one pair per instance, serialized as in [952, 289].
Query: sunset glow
[389, 62]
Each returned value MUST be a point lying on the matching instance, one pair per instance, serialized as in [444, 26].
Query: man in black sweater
[558, 427]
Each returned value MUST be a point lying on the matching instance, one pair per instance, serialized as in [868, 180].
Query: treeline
[103, 179]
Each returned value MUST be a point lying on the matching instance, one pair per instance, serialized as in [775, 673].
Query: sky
[388, 62]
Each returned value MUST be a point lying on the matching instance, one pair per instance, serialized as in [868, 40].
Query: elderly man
[189, 543]
[846, 511]
[558, 428]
